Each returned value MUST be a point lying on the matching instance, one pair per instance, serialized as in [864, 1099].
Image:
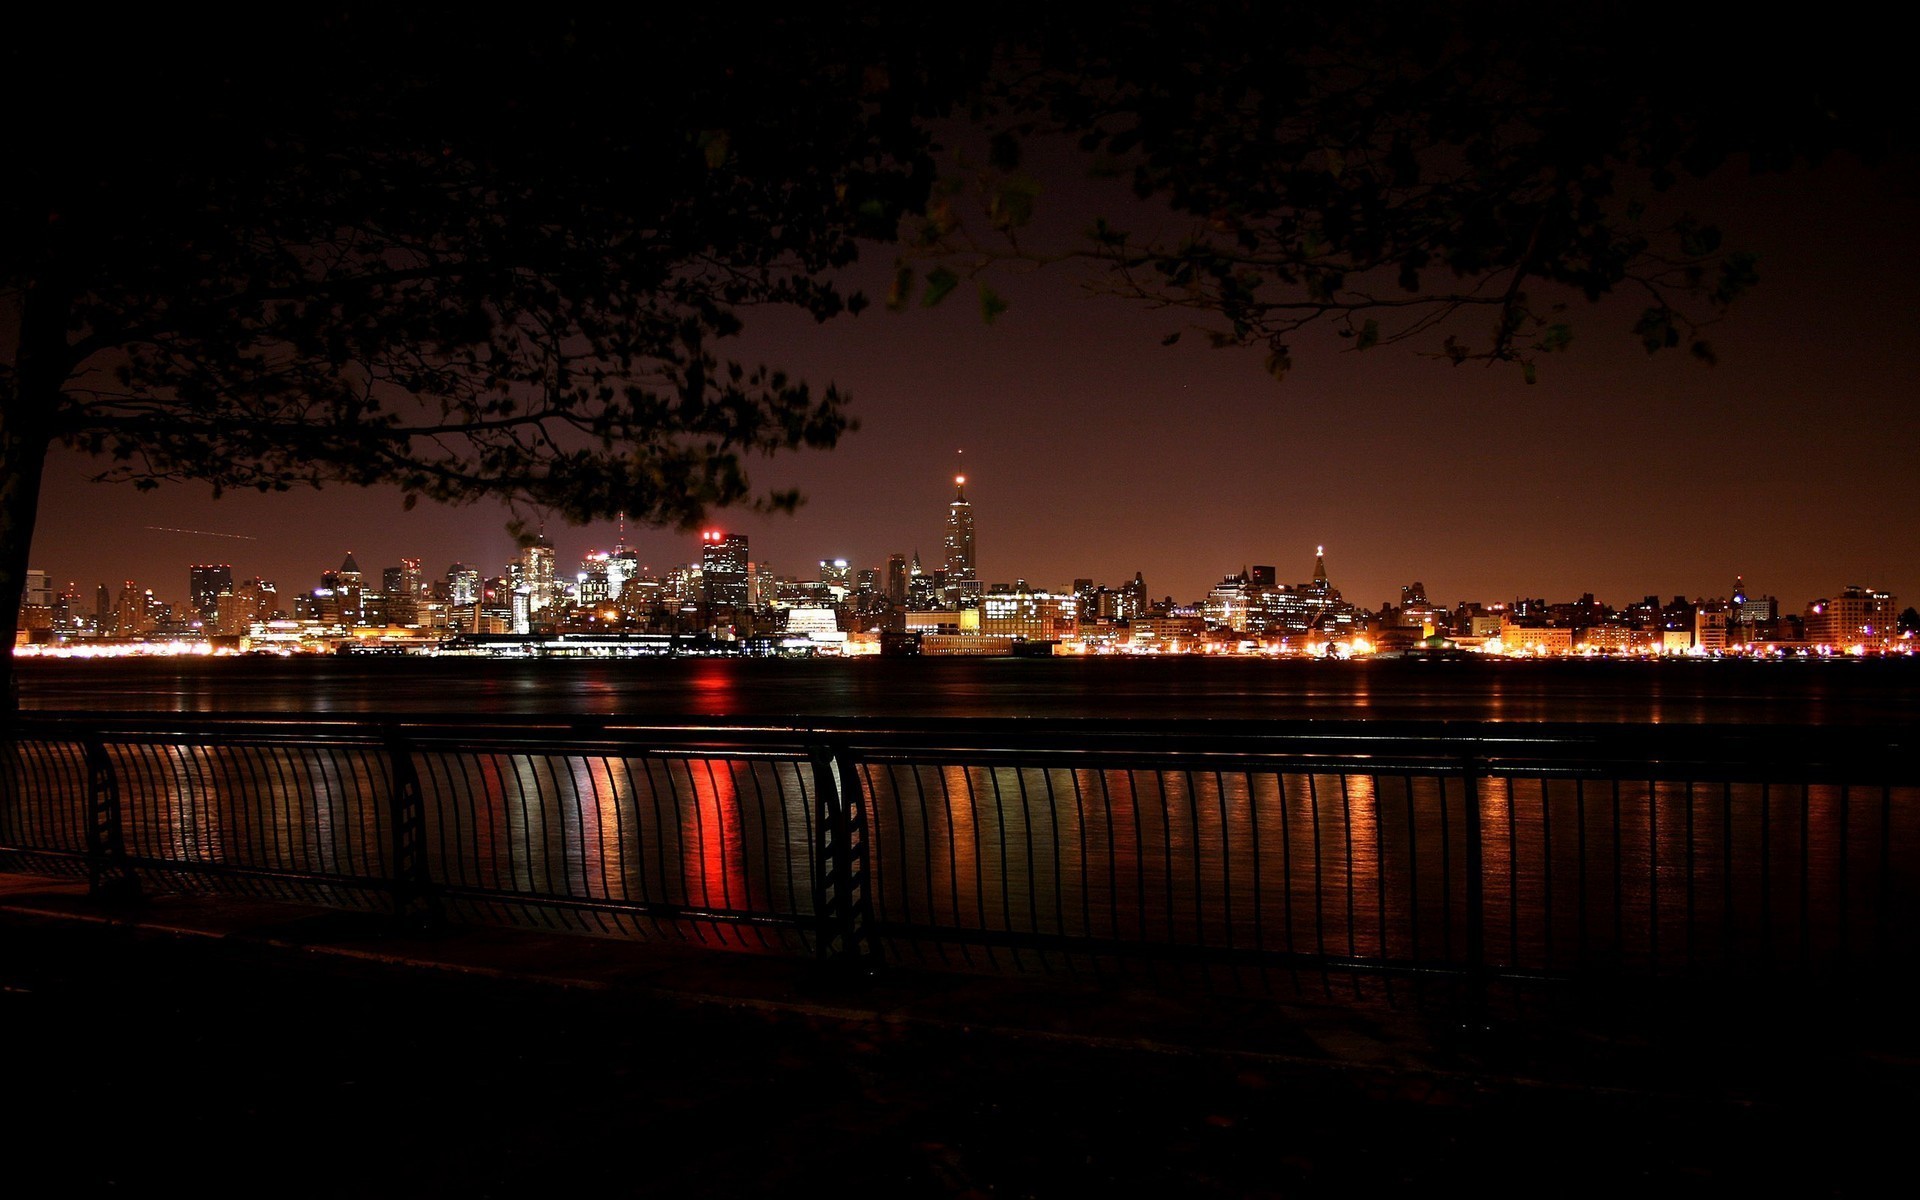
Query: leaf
[1369, 336]
[940, 281]
[1170, 339]
[1279, 362]
[1656, 330]
[714, 145]
[902, 288]
[1532, 376]
[991, 305]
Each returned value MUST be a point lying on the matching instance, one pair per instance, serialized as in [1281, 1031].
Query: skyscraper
[536, 573]
[463, 585]
[723, 568]
[962, 576]
[348, 585]
[206, 583]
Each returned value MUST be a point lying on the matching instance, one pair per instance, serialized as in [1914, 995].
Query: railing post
[109, 875]
[842, 906]
[415, 907]
[1476, 896]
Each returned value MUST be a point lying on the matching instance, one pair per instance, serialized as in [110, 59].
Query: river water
[1844, 692]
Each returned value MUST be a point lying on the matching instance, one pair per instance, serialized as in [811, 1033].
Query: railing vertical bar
[1653, 877]
[1729, 910]
[1199, 872]
[953, 866]
[1286, 880]
[1112, 856]
[1059, 921]
[1619, 900]
[721, 852]
[979, 859]
[1806, 874]
[1139, 856]
[1446, 878]
[1513, 871]
[1346, 835]
[1845, 948]
[906, 884]
[1766, 874]
[1475, 869]
[1691, 909]
[1319, 886]
[1006, 872]
[1546, 870]
[1226, 870]
[1259, 900]
[1083, 869]
[1883, 892]
[614, 876]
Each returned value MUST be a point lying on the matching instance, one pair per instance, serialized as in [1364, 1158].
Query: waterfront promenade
[237, 1046]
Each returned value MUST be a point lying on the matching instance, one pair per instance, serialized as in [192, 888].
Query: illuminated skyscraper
[347, 584]
[724, 569]
[897, 579]
[206, 583]
[961, 573]
[536, 573]
[463, 585]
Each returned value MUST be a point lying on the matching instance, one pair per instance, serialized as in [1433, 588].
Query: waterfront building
[1535, 639]
[965, 620]
[1229, 604]
[1858, 616]
[1710, 627]
[1023, 613]
[1166, 632]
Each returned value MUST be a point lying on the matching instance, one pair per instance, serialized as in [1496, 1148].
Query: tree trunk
[26, 433]
[23, 458]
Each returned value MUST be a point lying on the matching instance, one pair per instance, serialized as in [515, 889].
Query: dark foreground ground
[244, 1048]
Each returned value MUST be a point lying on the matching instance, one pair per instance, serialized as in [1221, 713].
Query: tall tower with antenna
[962, 575]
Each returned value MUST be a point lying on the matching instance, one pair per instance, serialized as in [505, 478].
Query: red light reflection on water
[712, 688]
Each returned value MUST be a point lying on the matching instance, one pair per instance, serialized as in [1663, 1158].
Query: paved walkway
[241, 1047]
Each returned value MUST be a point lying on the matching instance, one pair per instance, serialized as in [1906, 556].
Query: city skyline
[722, 559]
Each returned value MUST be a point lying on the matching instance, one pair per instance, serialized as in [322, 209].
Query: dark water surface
[1848, 692]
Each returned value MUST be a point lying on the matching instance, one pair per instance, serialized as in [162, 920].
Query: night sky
[1093, 451]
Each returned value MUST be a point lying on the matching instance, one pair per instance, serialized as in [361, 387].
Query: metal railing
[1256, 853]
